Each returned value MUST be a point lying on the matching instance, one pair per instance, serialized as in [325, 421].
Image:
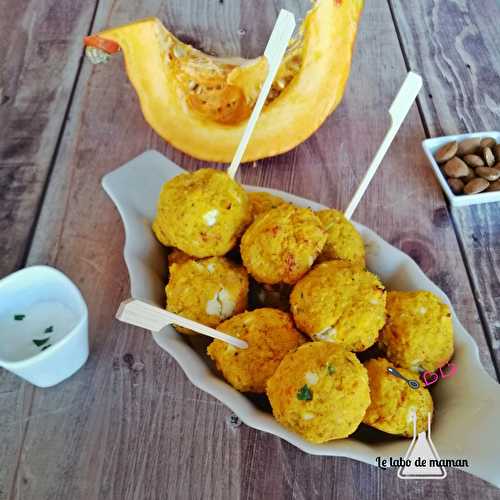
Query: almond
[490, 174]
[456, 168]
[476, 186]
[489, 157]
[470, 175]
[494, 186]
[473, 161]
[487, 142]
[447, 152]
[469, 146]
[496, 150]
[456, 185]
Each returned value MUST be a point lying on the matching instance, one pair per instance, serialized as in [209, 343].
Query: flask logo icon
[422, 460]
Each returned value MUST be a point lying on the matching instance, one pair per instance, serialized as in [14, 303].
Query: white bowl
[467, 405]
[48, 299]
[430, 147]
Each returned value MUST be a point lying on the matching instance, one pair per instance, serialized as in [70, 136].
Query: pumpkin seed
[490, 174]
[487, 142]
[447, 152]
[456, 185]
[456, 168]
[473, 160]
[475, 186]
[96, 56]
[469, 146]
[489, 157]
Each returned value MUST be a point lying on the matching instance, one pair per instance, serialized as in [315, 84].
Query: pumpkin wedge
[200, 103]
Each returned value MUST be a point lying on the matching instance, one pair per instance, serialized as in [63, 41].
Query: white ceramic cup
[22, 291]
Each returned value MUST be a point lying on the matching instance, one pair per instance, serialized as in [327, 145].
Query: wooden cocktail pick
[275, 50]
[398, 111]
[146, 315]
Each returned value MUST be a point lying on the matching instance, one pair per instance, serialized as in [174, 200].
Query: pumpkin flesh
[200, 103]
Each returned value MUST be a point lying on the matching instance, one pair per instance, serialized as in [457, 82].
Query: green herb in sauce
[19, 317]
[40, 342]
[46, 347]
[50, 329]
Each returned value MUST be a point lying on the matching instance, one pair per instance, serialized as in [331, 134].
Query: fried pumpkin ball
[418, 334]
[207, 290]
[270, 335]
[394, 401]
[343, 242]
[281, 245]
[202, 213]
[339, 302]
[261, 202]
[319, 391]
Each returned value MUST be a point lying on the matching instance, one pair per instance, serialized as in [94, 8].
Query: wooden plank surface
[39, 57]
[130, 425]
[461, 67]
[41, 45]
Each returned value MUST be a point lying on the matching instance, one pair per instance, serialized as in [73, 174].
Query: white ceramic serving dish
[25, 290]
[430, 147]
[467, 405]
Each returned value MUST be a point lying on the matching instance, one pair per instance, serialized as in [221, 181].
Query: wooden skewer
[146, 315]
[398, 111]
[275, 50]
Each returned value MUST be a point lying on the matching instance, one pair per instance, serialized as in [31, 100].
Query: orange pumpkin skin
[200, 104]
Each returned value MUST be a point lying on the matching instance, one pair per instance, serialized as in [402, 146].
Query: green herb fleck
[40, 342]
[330, 368]
[50, 329]
[304, 393]
[19, 317]
[46, 347]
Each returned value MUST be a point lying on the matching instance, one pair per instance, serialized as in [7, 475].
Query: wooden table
[129, 424]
